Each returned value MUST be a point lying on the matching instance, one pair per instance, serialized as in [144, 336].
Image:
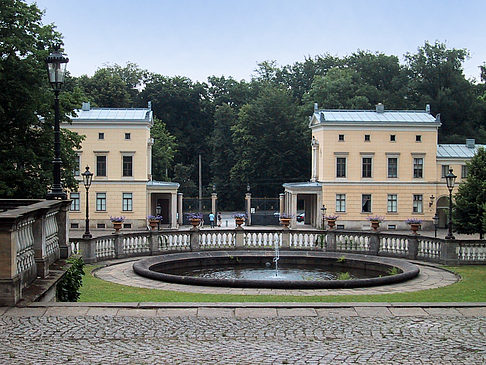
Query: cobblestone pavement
[355, 335]
[121, 272]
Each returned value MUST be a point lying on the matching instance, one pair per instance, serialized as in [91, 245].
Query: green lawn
[471, 288]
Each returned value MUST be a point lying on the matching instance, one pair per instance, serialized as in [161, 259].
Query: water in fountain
[276, 258]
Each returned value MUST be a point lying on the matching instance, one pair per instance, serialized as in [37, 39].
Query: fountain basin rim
[143, 268]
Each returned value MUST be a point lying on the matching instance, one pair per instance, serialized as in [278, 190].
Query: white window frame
[362, 166]
[418, 204]
[392, 203]
[76, 202]
[345, 167]
[101, 201]
[371, 203]
[422, 169]
[106, 164]
[128, 154]
[388, 167]
[444, 171]
[340, 203]
[128, 199]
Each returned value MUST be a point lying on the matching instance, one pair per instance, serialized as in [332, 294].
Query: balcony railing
[414, 247]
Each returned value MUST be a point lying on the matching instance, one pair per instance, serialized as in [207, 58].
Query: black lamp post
[158, 212]
[450, 179]
[56, 69]
[87, 179]
[323, 209]
[436, 223]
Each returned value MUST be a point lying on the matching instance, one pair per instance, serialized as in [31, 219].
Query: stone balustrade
[33, 235]
[415, 247]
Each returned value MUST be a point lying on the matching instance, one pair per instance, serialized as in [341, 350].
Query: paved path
[244, 334]
[121, 272]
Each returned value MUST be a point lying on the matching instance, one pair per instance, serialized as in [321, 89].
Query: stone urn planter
[285, 222]
[414, 227]
[195, 222]
[117, 226]
[239, 221]
[331, 223]
[153, 223]
[375, 225]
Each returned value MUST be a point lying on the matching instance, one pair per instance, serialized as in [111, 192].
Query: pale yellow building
[377, 162]
[118, 150]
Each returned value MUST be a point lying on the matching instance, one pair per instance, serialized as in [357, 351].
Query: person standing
[211, 219]
[220, 219]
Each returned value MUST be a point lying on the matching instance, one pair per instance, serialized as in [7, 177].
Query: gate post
[248, 208]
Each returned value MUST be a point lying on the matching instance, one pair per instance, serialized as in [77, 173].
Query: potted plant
[331, 220]
[285, 219]
[415, 224]
[375, 221]
[117, 222]
[195, 219]
[154, 220]
[239, 219]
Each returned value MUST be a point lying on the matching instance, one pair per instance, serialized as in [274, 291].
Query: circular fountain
[279, 269]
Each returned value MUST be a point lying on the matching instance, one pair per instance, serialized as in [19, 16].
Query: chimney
[470, 143]
[316, 107]
[427, 108]
[149, 105]
[380, 108]
[86, 106]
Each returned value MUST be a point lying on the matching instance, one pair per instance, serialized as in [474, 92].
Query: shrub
[67, 289]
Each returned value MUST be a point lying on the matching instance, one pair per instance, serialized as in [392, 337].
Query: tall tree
[26, 141]
[470, 201]
[163, 150]
[270, 145]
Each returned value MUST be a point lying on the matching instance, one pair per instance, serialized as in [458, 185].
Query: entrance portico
[163, 194]
[311, 194]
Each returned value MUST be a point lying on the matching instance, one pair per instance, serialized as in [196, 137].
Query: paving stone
[336, 312]
[66, 311]
[102, 311]
[373, 311]
[177, 312]
[3, 310]
[481, 311]
[25, 312]
[443, 311]
[407, 312]
[255, 312]
[215, 312]
[296, 312]
[129, 312]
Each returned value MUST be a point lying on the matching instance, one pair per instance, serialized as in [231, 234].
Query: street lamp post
[56, 69]
[323, 209]
[450, 179]
[158, 212]
[436, 223]
[87, 179]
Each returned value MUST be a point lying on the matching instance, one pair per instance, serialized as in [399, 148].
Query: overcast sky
[200, 38]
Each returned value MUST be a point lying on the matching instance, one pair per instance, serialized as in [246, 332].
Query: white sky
[200, 38]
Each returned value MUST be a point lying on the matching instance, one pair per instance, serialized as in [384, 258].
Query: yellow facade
[118, 149]
[384, 163]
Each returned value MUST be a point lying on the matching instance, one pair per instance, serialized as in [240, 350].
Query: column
[179, 208]
[281, 198]
[214, 198]
[248, 208]
[315, 157]
[293, 210]
[173, 210]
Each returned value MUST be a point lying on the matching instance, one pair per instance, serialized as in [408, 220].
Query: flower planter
[285, 222]
[239, 222]
[414, 227]
[153, 223]
[117, 226]
[331, 223]
[195, 222]
[375, 225]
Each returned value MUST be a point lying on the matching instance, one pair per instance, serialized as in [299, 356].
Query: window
[367, 137]
[366, 166]
[392, 167]
[127, 202]
[366, 203]
[100, 165]
[341, 137]
[340, 202]
[100, 225]
[392, 203]
[464, 171]
[393, 138]
[417, 204]
[77, 166]
[341, 167]
[127, 225]
[418, 138]
[101, 136]
[418, 168]
[100, 201]
[127, 165]
[445, 170]
[127, 136]
[75, 206]
[74, 225]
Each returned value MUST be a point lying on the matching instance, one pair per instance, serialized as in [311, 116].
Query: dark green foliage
[26, 141]
[163, 150]
[67, 289]
[469, 213]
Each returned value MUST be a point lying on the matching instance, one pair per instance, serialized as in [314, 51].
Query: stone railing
[415, 247]
[33, 235]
